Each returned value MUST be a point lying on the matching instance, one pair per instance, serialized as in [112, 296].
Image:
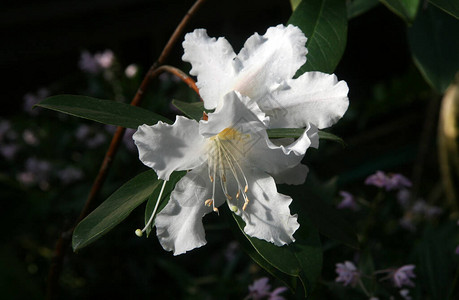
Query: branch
[63, 242]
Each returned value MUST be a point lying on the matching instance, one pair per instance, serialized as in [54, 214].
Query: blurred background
[103, 48]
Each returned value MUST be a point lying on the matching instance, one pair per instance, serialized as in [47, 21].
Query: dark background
[41, 45]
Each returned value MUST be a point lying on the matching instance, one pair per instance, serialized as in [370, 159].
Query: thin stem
[139, 232]
[63, 242]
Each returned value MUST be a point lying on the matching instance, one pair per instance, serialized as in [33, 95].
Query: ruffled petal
[267, 215]
[278, 159]
[266, 61]
[179, 225]
[236, 112]
[212, 61]
[314, 97]
[168, 148]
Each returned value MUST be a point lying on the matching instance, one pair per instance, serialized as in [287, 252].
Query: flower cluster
[388, 181]
[231, 158]
[96, 63]
[347, 273]
[261, 289]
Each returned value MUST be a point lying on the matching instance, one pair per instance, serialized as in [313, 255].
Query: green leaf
[405, 9]
[115, 209]
[323, 135]
[358, 7]
[277, 133]
[449, 6]
[294, 4]
[103, 111]
[290, 281]
[434, 44]
[193, 110]
[151, 203]
[302, 259]
[324, 22]
[315, 202]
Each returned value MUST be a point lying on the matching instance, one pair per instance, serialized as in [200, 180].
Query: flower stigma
[224, 154]
[139, 232]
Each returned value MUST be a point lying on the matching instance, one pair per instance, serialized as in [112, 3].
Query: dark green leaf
[302, 259]
[277, 133]
[435, 262]
[324, 22]
[406, 9]
[449, 6]
[434, 44]
[294, 4]
[323, 135]
[358, 7]
[315, 202]
[103, 111]
[151, 203]
[192, 110]
[290, 281]
[115, 209]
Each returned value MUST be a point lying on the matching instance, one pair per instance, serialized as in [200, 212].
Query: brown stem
[63, 242]
[178, 73]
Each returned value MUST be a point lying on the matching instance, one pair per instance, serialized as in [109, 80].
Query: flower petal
[267, 215]
[268, 60]
[179, 225]
[236, 112]
[314, 97]
[212, 62]
[167, 148]
[278, 159]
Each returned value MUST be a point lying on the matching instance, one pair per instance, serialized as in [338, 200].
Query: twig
[63, 242]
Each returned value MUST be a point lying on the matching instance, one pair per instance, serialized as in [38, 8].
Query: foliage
[381, 233]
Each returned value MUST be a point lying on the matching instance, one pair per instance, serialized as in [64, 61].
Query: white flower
[231, 160]
[263, 71]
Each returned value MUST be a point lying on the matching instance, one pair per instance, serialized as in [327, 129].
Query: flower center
[223, 158]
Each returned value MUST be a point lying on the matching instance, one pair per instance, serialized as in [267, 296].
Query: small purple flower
[93, 64]
[261, 289]
[26, 178]
[347, 201]
[347, 273]
[388, 181]
[31, 99]
[69, 175]
[421, 207]
[396, 182]
[88, 64]
[405, 293]
[95, 141]
[275, 294]
[131, 70]
[105, 59]
[457, 250]
[402, 276]
[9, 151]
[378, 179]
[30, 138]
[128, 141]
